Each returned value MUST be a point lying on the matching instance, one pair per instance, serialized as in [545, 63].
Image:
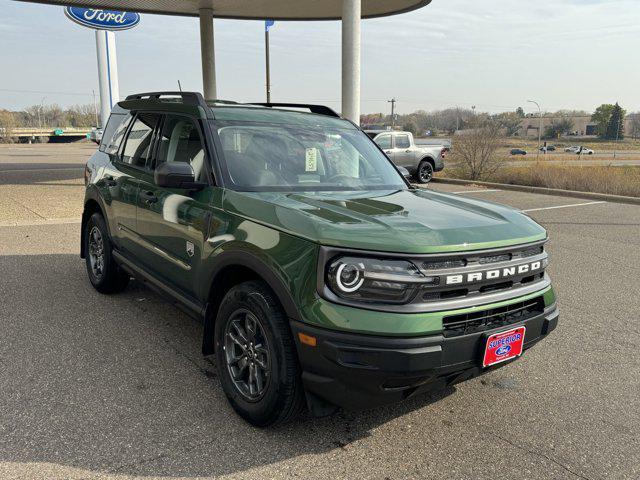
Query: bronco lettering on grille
[493, 274]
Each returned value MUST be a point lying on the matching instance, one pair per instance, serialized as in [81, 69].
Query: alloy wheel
[426, 172]
[96, 252]
[247, 355]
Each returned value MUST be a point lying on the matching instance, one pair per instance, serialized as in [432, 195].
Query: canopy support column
[351, 15]
[208, 54]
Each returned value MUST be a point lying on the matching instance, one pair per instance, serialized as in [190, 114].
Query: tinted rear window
[114, 132]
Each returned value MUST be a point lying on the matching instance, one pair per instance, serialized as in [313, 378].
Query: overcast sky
[495, 54]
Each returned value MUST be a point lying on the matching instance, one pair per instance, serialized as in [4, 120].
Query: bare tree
[7, 124]
[475, 149]
[558, 127]
[509, 121]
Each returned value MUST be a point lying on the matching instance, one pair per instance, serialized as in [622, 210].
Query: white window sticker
[311, 160]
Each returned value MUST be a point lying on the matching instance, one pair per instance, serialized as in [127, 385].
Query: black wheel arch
[429, 159]
[92, 204]
[235, 267]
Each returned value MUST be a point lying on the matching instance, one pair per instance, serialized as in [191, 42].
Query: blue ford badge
[503, 350]
[102, 19]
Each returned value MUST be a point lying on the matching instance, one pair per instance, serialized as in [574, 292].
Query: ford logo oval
[503, 350]
[102, 19]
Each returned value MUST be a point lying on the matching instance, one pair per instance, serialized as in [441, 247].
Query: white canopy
[250, 9]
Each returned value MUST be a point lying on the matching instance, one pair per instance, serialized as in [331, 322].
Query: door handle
[148, 197]
[388, 152]
[407, 151]
[109, 181]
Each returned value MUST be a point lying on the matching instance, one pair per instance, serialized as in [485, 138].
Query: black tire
[104, 273]
[424, 173]
[280, 397]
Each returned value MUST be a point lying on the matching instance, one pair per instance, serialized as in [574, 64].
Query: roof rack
[189, 98]
[319, 109]
[196, 98]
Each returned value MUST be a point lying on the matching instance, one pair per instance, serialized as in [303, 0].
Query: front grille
[474, 274]
[467, 323]
[450, 280]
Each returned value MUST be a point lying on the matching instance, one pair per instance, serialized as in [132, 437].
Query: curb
[542, 190]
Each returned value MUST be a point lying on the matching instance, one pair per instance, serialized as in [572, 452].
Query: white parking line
[477, 191]
[27, 170]
[563, 206]
[44, 221]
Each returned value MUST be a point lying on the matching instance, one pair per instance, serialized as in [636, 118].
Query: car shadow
[117, 385]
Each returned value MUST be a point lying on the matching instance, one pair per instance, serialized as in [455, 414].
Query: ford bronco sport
[321, 276]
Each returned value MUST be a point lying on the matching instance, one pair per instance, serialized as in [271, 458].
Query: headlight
[376, 280]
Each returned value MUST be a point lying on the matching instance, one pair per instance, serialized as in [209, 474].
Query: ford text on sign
[102, 19]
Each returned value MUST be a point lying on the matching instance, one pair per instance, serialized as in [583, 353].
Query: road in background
[96, 386]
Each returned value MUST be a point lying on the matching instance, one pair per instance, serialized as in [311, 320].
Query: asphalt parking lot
[115, 387]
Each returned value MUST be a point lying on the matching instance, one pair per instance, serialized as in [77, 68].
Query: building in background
[583, 126]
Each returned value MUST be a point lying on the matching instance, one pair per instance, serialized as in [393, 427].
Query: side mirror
[405, 173]
[176, 175]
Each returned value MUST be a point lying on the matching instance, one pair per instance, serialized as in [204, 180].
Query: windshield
[294, 157]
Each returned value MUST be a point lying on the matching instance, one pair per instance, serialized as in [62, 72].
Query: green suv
[322, 277]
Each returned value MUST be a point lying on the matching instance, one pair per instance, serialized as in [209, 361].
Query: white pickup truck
[421, 161]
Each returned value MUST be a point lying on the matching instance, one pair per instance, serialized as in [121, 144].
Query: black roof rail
[223, 102]
[319, 109]
[189, 98]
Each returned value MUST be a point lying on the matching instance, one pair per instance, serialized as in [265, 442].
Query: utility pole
[393, 111]
[267, 24]
[539, 127]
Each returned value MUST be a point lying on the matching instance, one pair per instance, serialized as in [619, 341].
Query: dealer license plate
[503, 346]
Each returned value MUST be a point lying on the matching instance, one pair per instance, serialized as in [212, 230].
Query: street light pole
[266, 54]
[539, 127]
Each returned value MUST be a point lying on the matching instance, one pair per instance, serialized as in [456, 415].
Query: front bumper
[357, 371]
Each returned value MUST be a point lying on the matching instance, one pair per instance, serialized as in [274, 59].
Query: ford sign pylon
[105, 22]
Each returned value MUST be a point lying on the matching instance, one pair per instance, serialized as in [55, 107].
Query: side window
[138, 144]
[114, 133]
[402, 141]
[384, 142]
[180, 142]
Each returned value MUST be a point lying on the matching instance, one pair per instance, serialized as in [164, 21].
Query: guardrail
[49, 132]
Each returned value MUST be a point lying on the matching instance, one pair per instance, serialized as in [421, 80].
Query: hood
[406, 221]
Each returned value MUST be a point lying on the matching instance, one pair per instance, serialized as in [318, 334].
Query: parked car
[321, 276]
[572, 149]
[96, 135]
[548, 148]
[420, 161]
[518, 151]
